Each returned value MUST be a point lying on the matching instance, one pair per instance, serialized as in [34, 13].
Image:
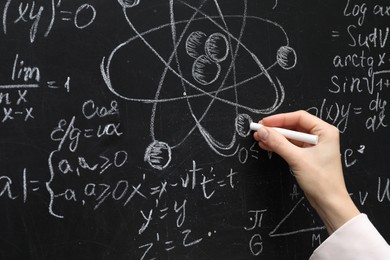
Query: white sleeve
[357, 239]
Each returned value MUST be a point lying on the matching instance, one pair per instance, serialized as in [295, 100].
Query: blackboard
[124, 124]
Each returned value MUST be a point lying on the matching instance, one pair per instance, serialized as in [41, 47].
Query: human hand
[317, 168]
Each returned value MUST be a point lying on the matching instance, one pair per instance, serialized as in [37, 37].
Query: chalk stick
[290, 134]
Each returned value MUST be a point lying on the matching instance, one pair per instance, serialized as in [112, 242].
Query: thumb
[271, 140]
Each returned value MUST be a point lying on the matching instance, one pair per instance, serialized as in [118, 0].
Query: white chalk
[290, 134]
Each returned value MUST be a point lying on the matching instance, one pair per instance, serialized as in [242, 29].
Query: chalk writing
[32, 14]
[124, 125]
[367, 47]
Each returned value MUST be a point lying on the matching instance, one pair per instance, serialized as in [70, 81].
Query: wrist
[335, 211]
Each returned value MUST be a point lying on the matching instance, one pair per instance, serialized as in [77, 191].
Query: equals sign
[357, 110]
[335, 34]
[52, 84]
[66, 13]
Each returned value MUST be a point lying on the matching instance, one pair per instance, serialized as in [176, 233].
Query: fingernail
[263, 133]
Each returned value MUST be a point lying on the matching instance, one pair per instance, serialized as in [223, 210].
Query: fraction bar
[18, 86]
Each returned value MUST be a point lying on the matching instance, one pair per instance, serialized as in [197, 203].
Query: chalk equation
[23, 78]
[367, 51]
[40, 18]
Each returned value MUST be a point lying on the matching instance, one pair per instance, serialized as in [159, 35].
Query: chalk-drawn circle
[158, 155]
[242, 124]
[243, 155]
[286, 57]
[120, 158]
[217, 47]
[88, 21]
[205, 71]
[121, 188]
[195, 44]
[128, 3]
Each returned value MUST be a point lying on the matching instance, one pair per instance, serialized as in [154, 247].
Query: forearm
[335, 211]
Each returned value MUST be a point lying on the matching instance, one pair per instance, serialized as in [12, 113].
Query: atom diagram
[196, 59]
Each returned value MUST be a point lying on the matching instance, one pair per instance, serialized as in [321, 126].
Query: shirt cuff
[356, 239]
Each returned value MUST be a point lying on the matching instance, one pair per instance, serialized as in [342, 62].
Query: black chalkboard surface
[124, 125]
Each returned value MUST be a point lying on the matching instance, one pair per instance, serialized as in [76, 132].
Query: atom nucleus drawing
[190, 62]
